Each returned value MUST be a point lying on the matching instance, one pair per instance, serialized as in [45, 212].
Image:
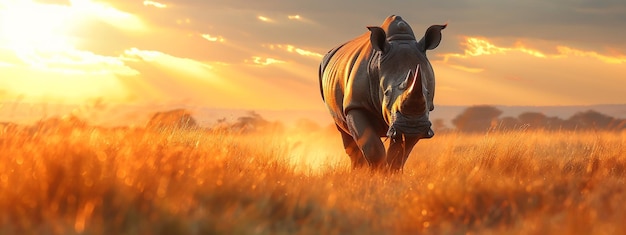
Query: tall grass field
[88, 180]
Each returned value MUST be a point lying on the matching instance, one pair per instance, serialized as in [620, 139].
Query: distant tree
[477, 119]
[554, 123]
[173, 119]
[439, 125]
[251, 122]
[591, 120]
[533, 120]
[482, 118]
[509, 123]
[620, 124]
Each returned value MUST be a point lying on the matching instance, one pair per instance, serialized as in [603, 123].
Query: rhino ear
[432, 37]
[378, 38]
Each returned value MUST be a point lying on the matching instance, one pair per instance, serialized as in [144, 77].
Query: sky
[265, 54]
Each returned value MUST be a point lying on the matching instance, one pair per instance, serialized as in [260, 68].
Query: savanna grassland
[91, 180]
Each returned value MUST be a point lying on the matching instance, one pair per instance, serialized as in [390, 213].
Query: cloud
[522, 75]
[186, 65]
[154, 4]
[67, 60]
[265, 19]
[213, 38]
[265, 61]
[290, 17]
[477, 47]
[108, 14]
[301, 18]
[559, 20]
[167, 78]
[536, 51]
[293, 49]
[571, 52]
[170, 79]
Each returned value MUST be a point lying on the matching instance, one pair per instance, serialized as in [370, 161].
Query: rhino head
[406, 77]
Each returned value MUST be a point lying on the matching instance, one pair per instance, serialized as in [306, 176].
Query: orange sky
[253, 55]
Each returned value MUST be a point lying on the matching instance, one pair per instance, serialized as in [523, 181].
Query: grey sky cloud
[592, 25]
[538, 46]
[587, 25]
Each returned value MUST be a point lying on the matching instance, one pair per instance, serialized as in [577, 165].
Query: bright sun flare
[38, 37]
[26, 26]
[30, 28]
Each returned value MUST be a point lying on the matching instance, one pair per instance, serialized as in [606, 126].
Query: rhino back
[344, 79]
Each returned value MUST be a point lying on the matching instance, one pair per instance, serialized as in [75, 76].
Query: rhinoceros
[380, 84]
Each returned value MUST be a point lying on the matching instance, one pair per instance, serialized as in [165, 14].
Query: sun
[43, 36]
[40, 52]
[27, 26]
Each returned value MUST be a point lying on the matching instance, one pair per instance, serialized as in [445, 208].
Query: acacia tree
[590, 120]
[476, 118]
[533, 120]
[509, 123]
[439, 125]
[172, 119]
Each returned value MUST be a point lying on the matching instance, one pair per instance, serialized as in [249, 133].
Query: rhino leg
[356, 156]
[398, 153]
[366, 138]
[395, 154]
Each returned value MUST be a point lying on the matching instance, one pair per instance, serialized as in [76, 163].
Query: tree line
[487, 118]
[475, 119]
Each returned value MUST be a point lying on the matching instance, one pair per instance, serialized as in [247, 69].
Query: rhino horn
[413, 101]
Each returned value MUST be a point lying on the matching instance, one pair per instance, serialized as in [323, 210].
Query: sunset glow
[312, 117]
[214, 54]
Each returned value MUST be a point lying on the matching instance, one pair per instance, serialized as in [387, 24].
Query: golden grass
[130, 181]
